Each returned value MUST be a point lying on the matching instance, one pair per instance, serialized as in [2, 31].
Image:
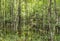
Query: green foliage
[29, 16]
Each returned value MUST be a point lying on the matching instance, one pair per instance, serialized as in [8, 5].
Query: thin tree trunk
[19, 18]
[26, 14]
[55, 13]
[49, 18]
[11, 14]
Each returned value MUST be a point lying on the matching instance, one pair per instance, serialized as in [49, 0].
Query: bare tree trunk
[11, 15]
[19, 18]
[0, 17]
[3, 13]
[50, 25]
[26, 14]
[55, 13]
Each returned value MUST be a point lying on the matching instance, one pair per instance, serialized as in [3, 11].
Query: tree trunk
[50, 38]
[19, 18]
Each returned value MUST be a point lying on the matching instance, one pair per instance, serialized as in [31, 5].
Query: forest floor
[15, 37]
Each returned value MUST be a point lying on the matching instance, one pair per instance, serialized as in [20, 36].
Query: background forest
[29, 20]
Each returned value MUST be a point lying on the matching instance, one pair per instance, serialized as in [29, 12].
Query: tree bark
[19, 19]
[50, 38]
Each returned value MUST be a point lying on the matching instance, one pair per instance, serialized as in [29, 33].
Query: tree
[19, 18]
